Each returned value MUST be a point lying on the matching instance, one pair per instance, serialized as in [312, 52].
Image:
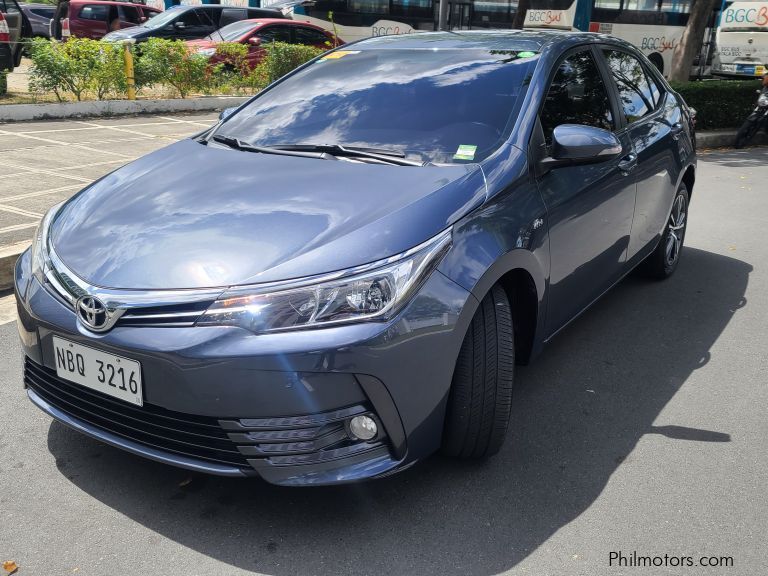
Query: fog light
[363, 428]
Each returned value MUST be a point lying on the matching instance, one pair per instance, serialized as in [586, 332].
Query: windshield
[440, 106]
[162, 19]
[233, 31]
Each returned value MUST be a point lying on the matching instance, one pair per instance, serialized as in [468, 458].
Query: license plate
[745, 69]
[113, 375]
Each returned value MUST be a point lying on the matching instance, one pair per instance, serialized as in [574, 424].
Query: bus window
[577, 95]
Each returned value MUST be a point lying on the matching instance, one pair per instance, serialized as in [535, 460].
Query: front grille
[244, 443]
[192, 436]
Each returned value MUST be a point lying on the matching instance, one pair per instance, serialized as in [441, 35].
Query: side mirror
[226, 112]
[254, 41]
[574, 144]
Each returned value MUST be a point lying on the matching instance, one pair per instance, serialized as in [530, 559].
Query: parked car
[39, 16]
[192, 22]
[256, 33]
[95, 18]
[14, 26]
[337, 279]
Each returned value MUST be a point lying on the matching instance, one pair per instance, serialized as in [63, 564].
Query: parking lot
[641, 428]
[46, 162]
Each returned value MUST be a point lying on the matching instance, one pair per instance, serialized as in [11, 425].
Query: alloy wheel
[676, 231]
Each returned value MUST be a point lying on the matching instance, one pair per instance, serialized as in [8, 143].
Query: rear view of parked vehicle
[742, 40]
[40, 16]
[96, 18]
[14, 26]
[256, 34]
[191, 22]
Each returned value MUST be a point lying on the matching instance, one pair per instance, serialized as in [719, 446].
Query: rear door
[92, 20]
[129, 16]
[209, 18]
[589, 207]
[653, 124]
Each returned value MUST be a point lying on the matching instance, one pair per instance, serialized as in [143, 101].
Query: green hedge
[719, 104]
[83, 69]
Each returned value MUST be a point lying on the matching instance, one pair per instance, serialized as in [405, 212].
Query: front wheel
[480, 400]
[662, 262]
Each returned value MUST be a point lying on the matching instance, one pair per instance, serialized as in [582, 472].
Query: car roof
[220, 7]
[534, 40]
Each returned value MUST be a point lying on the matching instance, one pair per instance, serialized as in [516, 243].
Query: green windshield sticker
[465, 152]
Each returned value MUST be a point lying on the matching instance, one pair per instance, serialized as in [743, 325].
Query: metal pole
[442, 16]
[129, 78]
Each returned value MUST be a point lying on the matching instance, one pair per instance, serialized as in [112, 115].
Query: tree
[693, 37]
[522, 8]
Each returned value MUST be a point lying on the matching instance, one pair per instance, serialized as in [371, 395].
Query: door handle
[628, 163]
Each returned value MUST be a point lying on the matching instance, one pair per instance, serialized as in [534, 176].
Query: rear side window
[577, 95]
[635, 93]
[229, 15]
[44, 12]
[310, 36]
[98, 12]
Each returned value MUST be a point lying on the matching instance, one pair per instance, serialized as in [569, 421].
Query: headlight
[207, 51]
[373, 292]
[40, 242]
[763, 100]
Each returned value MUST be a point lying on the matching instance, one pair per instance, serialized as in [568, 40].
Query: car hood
[125, 33]
[193, 216]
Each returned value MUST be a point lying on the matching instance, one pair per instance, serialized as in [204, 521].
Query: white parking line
[42, 192]
[15, 227]
[19, 211]
[7, 309]
[49, 172]
[58, 142]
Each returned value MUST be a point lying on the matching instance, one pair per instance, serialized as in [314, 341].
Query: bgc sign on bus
[745, 15]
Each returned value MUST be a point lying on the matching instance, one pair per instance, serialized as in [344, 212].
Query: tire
[480, 400]
[663, 261]
[746, 133]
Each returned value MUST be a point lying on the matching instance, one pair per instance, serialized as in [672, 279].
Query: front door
[589, 207]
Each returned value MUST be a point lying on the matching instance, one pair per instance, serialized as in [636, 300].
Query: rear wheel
[662, 262]
[480, 400]
[746, 133]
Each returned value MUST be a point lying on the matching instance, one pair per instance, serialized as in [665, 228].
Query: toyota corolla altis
[337, 279]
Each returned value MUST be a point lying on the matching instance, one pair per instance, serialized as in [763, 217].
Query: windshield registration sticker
[339, 54]
[465, 152]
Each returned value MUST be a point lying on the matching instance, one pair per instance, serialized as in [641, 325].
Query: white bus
[742, 40]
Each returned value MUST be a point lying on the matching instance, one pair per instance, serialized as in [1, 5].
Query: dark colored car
[192, 22]
[96, 18]
[14, 26]
[337, 279]
[255, 34]
[39, 16]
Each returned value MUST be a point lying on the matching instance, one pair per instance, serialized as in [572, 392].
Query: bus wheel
[657, 61]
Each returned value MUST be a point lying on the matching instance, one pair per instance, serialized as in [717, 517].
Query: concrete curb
[8, 257]
[21, 112]
[723, 138]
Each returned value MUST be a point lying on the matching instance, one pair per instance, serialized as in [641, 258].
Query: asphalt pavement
[642, 428]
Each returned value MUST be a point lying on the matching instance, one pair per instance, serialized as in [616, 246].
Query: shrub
[77, 67]
[170, 62]
[719, 103]
[282, 58]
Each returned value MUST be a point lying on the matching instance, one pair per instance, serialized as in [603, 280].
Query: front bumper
[224, 401]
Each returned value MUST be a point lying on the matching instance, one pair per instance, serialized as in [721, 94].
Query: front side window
[443, 106]
[310, 36]
[129, 14]
[274, 34]
[635, 94]
[577, 95]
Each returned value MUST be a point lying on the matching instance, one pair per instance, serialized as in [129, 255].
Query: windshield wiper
[238, 144]
[382, 155]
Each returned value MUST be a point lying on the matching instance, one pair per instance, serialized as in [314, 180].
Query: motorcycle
[757, 119]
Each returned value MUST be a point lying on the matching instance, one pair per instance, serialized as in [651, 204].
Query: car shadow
[579, 411]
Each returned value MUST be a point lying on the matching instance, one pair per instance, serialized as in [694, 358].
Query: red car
[96, 18]
[256, 33]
